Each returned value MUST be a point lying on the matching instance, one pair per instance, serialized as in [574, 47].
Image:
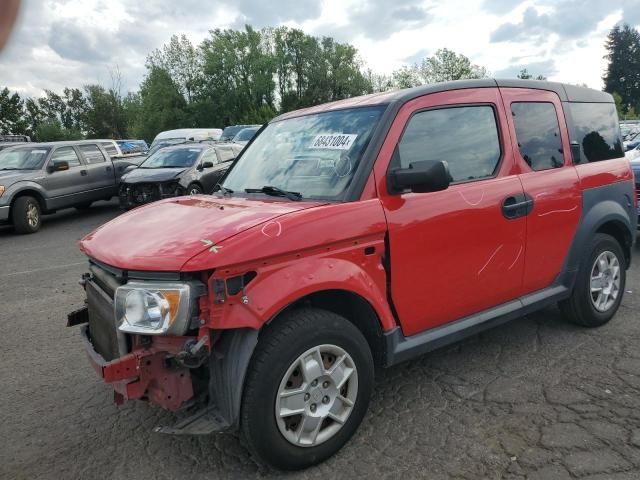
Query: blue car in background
[133, 146]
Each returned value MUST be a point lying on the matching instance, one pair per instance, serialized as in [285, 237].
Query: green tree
[104, 115]
[51, 130]
[446, 65]
[161, 105]
[525, 75]
[238, 76]
[623, 72]
[183, 62]
[11, 116]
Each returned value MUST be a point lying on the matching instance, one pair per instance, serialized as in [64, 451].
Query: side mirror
[204, 165]
[59, 166]
[420, 177]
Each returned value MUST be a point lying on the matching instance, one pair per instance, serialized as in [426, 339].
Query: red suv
[356, 234]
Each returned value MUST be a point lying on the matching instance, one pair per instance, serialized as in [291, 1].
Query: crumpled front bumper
[142, 374]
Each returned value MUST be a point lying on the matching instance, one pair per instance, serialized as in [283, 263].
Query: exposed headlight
[159, 308]
[1, 190]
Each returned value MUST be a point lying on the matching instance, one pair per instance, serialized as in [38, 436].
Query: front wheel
[25, 215]
[600, 284]
[194, 189]
[307, 388]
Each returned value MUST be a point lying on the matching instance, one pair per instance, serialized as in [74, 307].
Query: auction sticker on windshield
[334, 141]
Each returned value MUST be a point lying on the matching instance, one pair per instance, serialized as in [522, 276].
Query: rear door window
[110, 148]
[538, 134]
[465, 137]
[92, 154]
[66, 154]
[596, 130]
[226, 154]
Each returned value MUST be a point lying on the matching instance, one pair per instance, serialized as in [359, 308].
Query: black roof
[570, 93]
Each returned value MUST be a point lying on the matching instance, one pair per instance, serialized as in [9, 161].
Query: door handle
[516, 206]
[83, 173]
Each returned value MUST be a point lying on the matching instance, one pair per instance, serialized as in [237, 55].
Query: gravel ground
[536, 398]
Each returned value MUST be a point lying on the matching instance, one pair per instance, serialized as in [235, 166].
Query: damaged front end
[145, 338]
[135, 194]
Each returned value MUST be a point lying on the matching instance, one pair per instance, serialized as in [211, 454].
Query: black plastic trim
[401, 348]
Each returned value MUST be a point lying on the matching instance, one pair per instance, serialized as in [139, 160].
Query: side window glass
[226, 154]
[596, 130]
[92, 154]
[209, 156]
[538, 134]
[465, 137]
[110, 148]
[66, 154]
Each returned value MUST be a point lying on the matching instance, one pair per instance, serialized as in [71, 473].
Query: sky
[71, 43]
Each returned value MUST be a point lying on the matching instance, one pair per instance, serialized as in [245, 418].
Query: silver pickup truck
[40, 178]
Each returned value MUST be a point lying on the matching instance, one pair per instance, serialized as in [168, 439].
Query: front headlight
[159, 308]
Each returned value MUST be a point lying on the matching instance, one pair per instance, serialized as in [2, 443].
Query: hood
[163, 235]
[140, 175]
[7, 177]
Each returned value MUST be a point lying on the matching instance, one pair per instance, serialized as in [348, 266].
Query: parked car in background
[40, 178]
[133, 146]
[4, 145]
[15, 138]
[188, 135]
[635, 166]
[632, 142]
[354, 235]
[633, 154]
[231, 131]
[245, 135]
[188, 169]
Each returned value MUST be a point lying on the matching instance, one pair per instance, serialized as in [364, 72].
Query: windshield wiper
[224, 190]
[276, 192]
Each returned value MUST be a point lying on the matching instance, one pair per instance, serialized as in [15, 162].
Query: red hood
[164, 235]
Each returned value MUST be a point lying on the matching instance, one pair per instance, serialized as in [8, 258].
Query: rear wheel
[307, 389]
[600, 284]
[25, 215]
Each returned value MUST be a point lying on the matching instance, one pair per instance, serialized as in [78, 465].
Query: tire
[280, 347]
[194, 189]
[84, 206]
[583, 307]
[26, 215]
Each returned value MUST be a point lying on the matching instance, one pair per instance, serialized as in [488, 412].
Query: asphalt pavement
[536, 398]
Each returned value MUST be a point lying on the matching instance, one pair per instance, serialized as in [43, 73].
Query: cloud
[569, 19]
[261, 13]
[81, 44]
[543, 67]
[377, 19]
[500, 7]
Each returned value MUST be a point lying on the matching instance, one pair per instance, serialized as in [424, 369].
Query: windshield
[245, 135]
[230, 132]
[315, 155]
[178, 158]
[23, 158]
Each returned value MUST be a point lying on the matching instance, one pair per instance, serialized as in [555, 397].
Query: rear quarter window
[596, 130]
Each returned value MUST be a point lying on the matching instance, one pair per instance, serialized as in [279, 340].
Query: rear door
[66, 188]
[453, 253]
[101, 175]
[543, 157]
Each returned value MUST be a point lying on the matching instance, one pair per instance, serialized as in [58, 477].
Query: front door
[459, 251]
[66, 187]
